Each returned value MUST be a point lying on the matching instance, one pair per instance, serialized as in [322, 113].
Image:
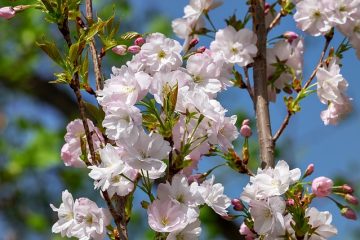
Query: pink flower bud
[290, 36]
[244, 230]
[321, 186]
[245, 122]
[245, 131]
[267, 7]
[7, 12]
[347, 189]
[351, 199]
[348, 213]
[201, 49]
[134, 49]
[119, 50]
[290, 202]
[139, 41]
[193, 42]
[309, 170]
[238, 205]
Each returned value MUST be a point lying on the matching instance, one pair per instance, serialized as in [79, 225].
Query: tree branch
[260, 86]
[94, 54]
[285, 123]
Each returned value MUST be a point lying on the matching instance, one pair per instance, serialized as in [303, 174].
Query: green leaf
[52, 51]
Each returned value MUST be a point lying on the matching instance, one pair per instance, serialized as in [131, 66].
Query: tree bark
[266, 144]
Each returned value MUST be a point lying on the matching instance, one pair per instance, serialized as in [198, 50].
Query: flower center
[161, 54]
[164, 221]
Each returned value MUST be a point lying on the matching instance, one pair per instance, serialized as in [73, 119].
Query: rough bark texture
[260, 87]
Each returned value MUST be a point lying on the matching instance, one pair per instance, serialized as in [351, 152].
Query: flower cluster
[318, 17]
[331, 91]
[81, 218]
[176, 209]
[277, 198]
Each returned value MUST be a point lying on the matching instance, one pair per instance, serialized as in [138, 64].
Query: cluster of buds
[133, 49]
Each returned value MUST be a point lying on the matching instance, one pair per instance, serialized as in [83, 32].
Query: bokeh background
[34, 113]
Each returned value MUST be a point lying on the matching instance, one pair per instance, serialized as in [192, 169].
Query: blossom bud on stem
[348, 213]
[309, 170]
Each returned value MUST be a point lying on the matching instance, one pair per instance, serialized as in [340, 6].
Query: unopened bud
[290, 202]
[290, 36]
[348, 213]
[267, 8]
[134, 49]
[347, 189]
[351, 199]
[201, 49]
[119, 50]
[245, 122]
[193, 42]
[7, 12]
[238, 205]
[309, 170]
[245, 131]
[139, 41]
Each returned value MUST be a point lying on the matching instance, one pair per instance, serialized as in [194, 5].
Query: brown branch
[94, 54]
[260, 86]
[285, 123]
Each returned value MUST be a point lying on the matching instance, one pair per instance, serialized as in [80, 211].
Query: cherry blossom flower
[321, 224]
[124, 87]
[331, 84]
[107, 175]
[180, 191]
[147, 153]
[197, 7]
[91, 221]
[122, 122]
[160, 54]
[268, 215]
[190, 232]
[235, 47]
[213, 196]
[313, 16]
[167, 215]
[65, 214]
[244, 230]
[71, 150]
[270, 182]
[186, 28]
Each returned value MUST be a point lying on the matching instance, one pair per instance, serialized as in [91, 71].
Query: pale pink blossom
[71, 151]
[235, 47]
[213, 196]
[268, 215]
[147, 154]
[124, 87]
[190, 232]
[313, 16]
[167, 215]
[65, 214]
[122, 123]
[322, 186]
[335, 112]
[91, 221]
[186, 28]
[160, 54]
[320, 222]
[197, 7]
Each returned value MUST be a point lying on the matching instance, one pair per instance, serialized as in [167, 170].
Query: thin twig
[94, 54]
[275, 21]
[308, 82]
[248, 85]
